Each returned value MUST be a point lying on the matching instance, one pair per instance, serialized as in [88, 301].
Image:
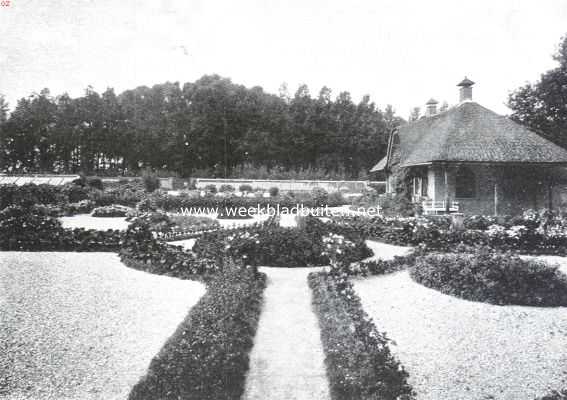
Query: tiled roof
[472, 133]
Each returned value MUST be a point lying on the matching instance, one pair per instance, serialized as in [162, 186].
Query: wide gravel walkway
[286, 361]
[457, 349]
[82, 325]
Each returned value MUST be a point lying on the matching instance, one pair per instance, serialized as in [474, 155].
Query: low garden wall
[287, 185]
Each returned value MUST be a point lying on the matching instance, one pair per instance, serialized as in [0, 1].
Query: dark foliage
[270, 244]
[29, 229]
[358, 360]
[207, 357]
[496, 278]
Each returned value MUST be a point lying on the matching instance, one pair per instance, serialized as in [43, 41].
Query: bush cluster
[530, 233]
[207, 357]
[30, 194]
[140, 250]
[30, 229]
[270, 244]
[496, 278]
[184, 201]
[111, 211]
[359, 362]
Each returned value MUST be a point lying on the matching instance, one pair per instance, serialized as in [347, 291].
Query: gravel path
[89, 222]
[386, 251]
[286, 361]
[457, 349]
[82, 325]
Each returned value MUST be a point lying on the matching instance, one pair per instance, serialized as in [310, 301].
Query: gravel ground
[286, 362]
[386, 251]
[89, 222]
[82, 325]
[457, 349]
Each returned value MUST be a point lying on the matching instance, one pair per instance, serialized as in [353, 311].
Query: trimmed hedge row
[207, 356]
[140, 250]
[496, 278]
[359, 362]
[29, 229]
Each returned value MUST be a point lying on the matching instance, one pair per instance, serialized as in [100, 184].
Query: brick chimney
[431, 107]
[465, 91]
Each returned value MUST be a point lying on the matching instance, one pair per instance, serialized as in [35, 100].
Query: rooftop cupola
[465, 91]
[431, 107]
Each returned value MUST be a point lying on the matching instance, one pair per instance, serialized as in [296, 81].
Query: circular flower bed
[496, 278]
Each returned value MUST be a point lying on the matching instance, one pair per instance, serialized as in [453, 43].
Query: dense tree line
[210, 126]
[543, 105]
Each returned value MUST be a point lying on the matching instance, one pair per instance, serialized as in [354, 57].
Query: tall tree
[542, 105]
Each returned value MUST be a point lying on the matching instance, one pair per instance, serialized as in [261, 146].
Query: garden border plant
[359, 362]
[492, 277]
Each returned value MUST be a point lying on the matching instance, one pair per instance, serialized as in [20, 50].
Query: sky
[399, 52]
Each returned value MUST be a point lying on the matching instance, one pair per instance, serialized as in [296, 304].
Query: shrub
[336, 199]
[226, 188]
[114, 210]
[320, 196]
[142, 251]
[193, 222]
[496, 278]
[274, 191]
[30, 194]
[245, 188]
[151, 181]
[211, 189]
[29, 229]
[207, 356]
[81, 207]
[276, 246]
[359, 362]
[95, 182]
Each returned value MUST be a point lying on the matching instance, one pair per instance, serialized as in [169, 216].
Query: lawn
[457, 349]
[82, 325]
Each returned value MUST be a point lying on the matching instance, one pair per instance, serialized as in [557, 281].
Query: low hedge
[29, 229]
[359, 362]
[207, 357]
[140, 250]
[31, 194]
[496, 278]
[183, 201]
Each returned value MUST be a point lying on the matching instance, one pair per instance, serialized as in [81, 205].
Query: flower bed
[268, 244]
[29, 229]
[529, 233]
[207, 357]
[114, 210]
[142, 251]
[358, 359]
[496, 278]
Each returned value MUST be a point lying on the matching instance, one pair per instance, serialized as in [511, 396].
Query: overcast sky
[399, 52]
